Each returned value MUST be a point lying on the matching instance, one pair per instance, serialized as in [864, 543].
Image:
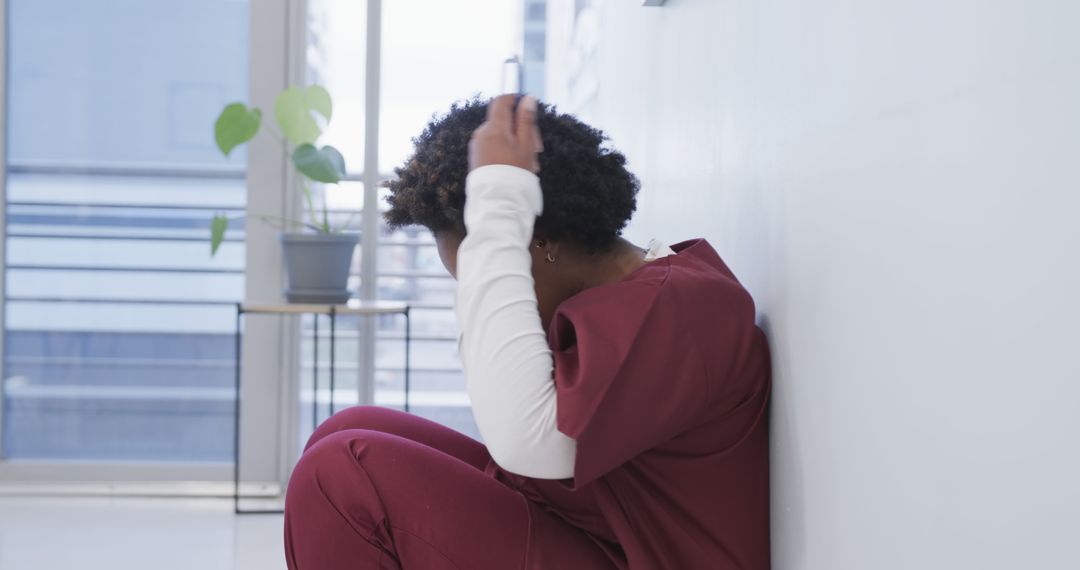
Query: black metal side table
[360, 308]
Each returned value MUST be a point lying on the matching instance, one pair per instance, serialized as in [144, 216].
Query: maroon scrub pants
[378, 488]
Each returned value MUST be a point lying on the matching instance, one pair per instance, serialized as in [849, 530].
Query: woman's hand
[507, 136]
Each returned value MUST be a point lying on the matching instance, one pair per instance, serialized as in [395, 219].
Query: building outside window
[116, 319]
[117, 322]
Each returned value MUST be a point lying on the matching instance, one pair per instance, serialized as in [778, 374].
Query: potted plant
[317, 261]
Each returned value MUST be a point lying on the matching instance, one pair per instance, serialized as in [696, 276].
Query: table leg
[333, 331]
[408, 344]
[315, 376]
[236, 415]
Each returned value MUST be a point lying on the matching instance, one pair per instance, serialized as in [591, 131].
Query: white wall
[898, 183]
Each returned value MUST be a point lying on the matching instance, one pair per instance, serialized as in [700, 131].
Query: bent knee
[373, 418]
[350, 447]
[343, 461]
[335, 476]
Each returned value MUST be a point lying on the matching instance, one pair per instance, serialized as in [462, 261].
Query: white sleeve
[508, 365]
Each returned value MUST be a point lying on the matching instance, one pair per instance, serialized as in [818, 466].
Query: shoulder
[692, 286]
[702, 275]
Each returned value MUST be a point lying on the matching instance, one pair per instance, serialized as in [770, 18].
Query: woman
[621, 391]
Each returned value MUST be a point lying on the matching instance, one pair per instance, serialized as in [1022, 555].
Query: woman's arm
[508, 365]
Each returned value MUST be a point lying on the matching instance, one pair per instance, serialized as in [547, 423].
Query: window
[416, 86]
[450, 53]
[117, 322]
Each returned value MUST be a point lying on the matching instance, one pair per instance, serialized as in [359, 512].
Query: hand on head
[508, 135]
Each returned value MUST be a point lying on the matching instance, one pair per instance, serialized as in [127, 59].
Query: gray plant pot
[317, 266]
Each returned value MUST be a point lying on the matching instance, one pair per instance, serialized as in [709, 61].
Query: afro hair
[589, 195]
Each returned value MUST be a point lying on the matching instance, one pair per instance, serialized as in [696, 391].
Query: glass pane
[534, 46]
[335, 56]
[410, 270]
[434, 53]
[118, 323]
[456, 50]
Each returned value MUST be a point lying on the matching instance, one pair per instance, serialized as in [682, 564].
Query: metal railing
[72, 219]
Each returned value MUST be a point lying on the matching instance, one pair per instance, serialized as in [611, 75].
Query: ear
[544, 248]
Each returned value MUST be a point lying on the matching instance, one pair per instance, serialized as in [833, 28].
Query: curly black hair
[589, 195]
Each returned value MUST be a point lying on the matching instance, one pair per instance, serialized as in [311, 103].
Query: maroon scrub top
[663, 379]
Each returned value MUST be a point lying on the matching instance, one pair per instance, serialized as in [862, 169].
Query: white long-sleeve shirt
[508, 364]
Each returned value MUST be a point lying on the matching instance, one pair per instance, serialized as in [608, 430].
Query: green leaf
[218, 225]
[321, 165]
[235, 126]
[319, 99]
[295, 110]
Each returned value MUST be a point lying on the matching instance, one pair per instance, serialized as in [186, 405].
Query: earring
[550, 258]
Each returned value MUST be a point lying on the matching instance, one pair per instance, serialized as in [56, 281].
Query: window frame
[276, 47]
[271, 418]
[3, 210]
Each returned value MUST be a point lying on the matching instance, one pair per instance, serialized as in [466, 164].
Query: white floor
[123, 533]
